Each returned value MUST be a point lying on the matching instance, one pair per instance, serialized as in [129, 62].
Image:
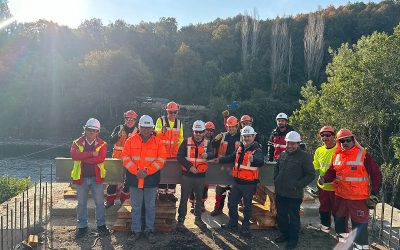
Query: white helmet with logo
[146, 121]
[93, 123]
[248, 130]
[282, 116]
[199, 126]
[293, 136]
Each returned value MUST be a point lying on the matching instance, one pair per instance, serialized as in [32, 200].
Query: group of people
[345, 172]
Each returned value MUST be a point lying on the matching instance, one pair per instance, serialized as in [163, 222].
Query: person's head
[210, 128]
[246, 120]
[91, 129]
[232, 125]
[327, 134]
[248, 134]
[172, 109]
[130, 117]
[282, 120]
[199, 129]
[293, 140]
[146, 126]
[346, 138]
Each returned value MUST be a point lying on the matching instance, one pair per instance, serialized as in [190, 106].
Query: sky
[74, 12]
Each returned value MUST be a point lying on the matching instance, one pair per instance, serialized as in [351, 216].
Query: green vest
[76, 171]
[322, 160]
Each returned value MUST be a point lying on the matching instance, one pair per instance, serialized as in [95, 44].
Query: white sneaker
[325, 229]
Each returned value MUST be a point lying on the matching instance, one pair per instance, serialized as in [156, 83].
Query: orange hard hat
[327, 129]
[130, 114]
[231, 121]
[172, 106]
[210, 125]
[246, 118]
[344, 133]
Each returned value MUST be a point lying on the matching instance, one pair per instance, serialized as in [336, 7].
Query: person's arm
[158, 127]
[159, 162]
[271, 148]
[115, 135]
[76, 155]
[308, 172]
[181, 133]
[228, 158]
[128, 161]
[100, 157]
[316, 161]
[210, 152]
[258, 158]
[276, 169]
[374, 172]
[181, 156]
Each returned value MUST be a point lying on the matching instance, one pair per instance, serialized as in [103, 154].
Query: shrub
[12, 186]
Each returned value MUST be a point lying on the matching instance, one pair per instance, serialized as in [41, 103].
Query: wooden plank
[33, 240]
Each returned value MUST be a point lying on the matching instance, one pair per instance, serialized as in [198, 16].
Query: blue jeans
[137, 196]
[82, 192]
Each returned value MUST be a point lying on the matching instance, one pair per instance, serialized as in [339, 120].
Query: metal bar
[28, 222]
[34, 209]
[1, 234]
[382, 211]
[15, 216]
[22, 215]
[46, 205]
[51, 206]
[40, 195]
[7, 228]
[41, 207]
[21, 220]
[12, 230]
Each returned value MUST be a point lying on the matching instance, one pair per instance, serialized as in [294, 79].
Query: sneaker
[192, 209]
[162, 197]
[179, 226]
[150, 237]
[108, 205]
[281, 239]
[229, 227]
[133, 238]
[245, 233]
[199, 222]
[325, 229]
[103, 230]
[81, 232]
[171, 197]
[216, 212]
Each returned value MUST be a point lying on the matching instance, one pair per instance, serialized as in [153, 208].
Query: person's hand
[204, 155]
[95, 153]
[216, 160]
[321, 180]
[251, 158]
[164, 129]
[142, 173]
[225, 113]
[193, 170]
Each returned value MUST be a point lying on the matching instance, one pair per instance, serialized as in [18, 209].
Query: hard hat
[93, 124]
[282, 116]
[199, 126]
[146, 121]
[248, 130]
[210, 125]
[130, 114]
[293, 136]
[343, 133]
[231, 121]
[327, 129]
[172, 106]
[246, 118]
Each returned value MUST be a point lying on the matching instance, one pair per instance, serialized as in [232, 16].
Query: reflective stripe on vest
[245, 171]
[119, 145]
[170, 138]
[223, 145]
[77, 169]
[277, 145]
[198, 162]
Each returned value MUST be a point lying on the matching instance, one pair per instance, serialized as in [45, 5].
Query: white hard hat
[282, 116]
[93, 124]
[146, 121]
[199, 126]
[248, 130]
[293, 136]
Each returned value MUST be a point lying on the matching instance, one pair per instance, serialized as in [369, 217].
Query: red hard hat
[327, 129]
[231, 121]
[172, 106]
[130, 114]
[246, 118]
[210, 125]
[344, 133]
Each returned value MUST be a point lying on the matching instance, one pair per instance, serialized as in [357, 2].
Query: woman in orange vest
[357, 180]
[248, 159]
[118, 138]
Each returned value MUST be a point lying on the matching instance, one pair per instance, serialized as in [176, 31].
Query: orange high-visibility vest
[352, 179]
[138, 155]
[171, 137]
[244, 171]
[197, 161]
[223, 145]
[119, 145]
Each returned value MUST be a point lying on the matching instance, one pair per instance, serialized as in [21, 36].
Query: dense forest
[53, 78]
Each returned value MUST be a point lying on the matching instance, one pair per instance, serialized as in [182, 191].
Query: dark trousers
[220, 195]
[238, 192]
[327, 203]
[189, 185]
[288, 217]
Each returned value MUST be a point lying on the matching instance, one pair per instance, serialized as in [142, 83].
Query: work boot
[110, 198]
[171, 197]
[103, 230]
[179, 226]
[245, 233]
[229, 227]
[291, 245]
[199, 222]
[216, 212]
[281, 239]
[150, 237]
[81, 232]
[162, 197]
[133, 238]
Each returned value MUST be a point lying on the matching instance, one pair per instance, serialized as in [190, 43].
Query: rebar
[1, 234]
[12, 230]
[34, 209]
[7, 226]
[22, 215]
[28, 222]
[21, 229]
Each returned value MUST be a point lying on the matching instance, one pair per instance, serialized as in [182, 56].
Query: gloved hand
[372, 201]
[225, 113]
[218, 137]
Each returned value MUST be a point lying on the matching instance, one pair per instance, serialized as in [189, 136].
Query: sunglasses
[172, 112]
[198, 132]
[210, 130]
[345, 140]
[91, 130]
[326, 135]
[130, 119]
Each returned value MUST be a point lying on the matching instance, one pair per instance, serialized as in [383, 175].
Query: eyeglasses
[172, 112]
[91, 130]
[345, 140]
[198, 132]
[130, 119]
[326, 135]
[210, 130]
